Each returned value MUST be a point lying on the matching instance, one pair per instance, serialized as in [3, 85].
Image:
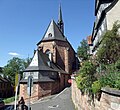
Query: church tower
[60, 21]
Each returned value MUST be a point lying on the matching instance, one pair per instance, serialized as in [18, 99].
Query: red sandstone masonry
[44, 89]
[58, 49]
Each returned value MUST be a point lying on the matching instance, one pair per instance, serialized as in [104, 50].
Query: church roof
[53, 33]
[41, 62]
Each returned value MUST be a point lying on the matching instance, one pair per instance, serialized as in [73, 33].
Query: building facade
[6, 88]
[107, 12]
[53, 63]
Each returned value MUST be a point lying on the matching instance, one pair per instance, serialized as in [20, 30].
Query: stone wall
[110, 99]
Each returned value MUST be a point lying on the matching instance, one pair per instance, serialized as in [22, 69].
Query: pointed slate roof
[40, 63]
[53, 33]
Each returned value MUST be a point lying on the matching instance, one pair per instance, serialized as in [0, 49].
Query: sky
[24, 22]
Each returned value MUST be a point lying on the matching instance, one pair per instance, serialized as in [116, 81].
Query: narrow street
[61, 101]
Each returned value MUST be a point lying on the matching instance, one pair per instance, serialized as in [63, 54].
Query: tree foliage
[110, 46]
[14, 66]
[82, 50]
[111, 77]
[86, 77]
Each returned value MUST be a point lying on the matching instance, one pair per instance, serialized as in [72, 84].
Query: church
[53, 62]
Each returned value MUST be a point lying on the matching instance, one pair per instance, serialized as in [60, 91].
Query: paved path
[61, 101]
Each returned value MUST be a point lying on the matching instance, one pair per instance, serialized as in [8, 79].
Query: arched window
[49, 54]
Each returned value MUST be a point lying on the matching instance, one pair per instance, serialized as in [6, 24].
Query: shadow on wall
[60, 61]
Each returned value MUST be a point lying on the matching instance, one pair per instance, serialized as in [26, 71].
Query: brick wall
[55, 87]
[58, 48]
[65, 50]
[41, 89]
[62, 82]
[108, 101]
[24, 94]
[44, 89]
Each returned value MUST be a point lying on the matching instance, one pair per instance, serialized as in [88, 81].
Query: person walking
[21, 103]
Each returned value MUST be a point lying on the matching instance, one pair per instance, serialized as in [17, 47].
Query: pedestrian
[21, 103]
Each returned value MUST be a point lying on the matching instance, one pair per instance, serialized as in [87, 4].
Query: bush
[78, 81]
[88, 68]
[96, 87]
[82, 83]
[117, 64]
[111, 79]
[88, 81]
[86, 77]
[117, 84]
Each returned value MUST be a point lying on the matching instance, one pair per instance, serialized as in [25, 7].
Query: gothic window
[49, 54]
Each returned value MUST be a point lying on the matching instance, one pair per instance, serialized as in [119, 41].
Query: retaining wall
[109, 100]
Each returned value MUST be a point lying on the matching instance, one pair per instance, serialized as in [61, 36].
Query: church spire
[60, 21]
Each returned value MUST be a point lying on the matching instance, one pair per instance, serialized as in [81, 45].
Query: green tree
[82, 50]
[14, 66]
[110, 46]
[26, 62]
[86, 76]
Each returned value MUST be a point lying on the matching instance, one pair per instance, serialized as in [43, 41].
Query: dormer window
[49, 35]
